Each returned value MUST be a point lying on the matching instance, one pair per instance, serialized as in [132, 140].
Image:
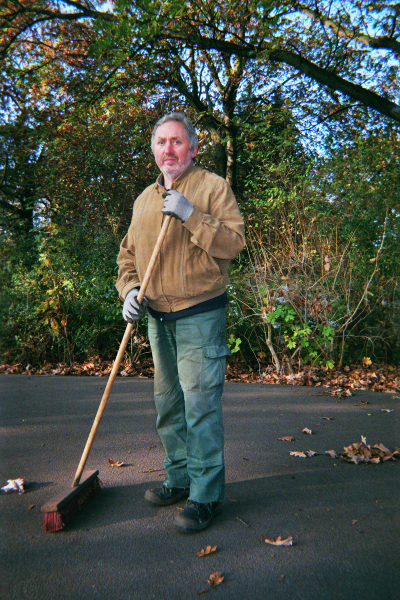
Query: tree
[226, 59]
[266, 83]
[20, 188]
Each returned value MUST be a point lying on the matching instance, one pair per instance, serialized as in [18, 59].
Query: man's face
[171, 149]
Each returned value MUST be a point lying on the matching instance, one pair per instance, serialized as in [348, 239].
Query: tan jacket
[193, 263]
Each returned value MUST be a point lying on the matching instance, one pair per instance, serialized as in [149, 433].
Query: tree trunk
[231, 153]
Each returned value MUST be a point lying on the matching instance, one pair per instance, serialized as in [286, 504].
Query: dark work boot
[164, 496]
[197, 516]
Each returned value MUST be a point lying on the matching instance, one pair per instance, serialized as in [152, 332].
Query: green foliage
[78, 98]
[308, 337]
[63, 308]
[321, 284]
[234, 343]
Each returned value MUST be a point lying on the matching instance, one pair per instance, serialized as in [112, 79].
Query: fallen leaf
[14, 485]
[307, 431]
[388, 410]
[327, 418]
[311, 453]
[215, 579]
[205, 552]
[363, 452]
[116, 463]
[331, 453]
[383, 448]
[299, 454]
[281, 577]
[286, 438]
[279, 541]
[355, 459]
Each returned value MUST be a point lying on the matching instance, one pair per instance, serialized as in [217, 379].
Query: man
[186, 300]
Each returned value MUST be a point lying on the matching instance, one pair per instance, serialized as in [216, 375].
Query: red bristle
[52, 522]
[57, 520]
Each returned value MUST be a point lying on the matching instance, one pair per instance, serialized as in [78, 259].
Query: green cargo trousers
[189, 371]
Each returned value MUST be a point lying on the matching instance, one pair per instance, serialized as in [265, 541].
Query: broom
[59, 511]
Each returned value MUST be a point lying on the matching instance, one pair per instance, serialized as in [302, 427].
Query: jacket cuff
[127, 288]
[194, 220]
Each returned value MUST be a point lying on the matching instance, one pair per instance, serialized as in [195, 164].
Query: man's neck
[168, 182]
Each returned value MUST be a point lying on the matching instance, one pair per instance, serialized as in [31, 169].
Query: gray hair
[178, 117]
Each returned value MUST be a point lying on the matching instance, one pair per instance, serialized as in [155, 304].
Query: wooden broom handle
[117, 362]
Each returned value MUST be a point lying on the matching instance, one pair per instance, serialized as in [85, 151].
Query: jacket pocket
[202, 273]
[217, 351]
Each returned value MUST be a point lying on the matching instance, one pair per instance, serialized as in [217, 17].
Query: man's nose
[168, 147]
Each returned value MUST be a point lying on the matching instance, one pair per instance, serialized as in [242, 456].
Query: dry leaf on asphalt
[279, 541]
[299, 454]
[362, 452]
[331, 453]
[215, 578]
[116, 463]
[14, 485]
[340, 392]
[327, 418]
[311, 453]
[307, 431]
[286, 438]
[339, 380]
[205, 552]
[388, 410]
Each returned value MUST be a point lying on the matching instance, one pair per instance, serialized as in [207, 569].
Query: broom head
[58, 511]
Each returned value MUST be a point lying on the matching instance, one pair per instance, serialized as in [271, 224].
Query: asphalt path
[343, 518]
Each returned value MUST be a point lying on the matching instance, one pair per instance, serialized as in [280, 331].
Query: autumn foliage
[298, 114]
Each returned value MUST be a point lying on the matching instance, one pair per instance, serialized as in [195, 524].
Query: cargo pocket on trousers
[213, 372]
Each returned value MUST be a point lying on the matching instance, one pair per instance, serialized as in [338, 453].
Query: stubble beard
[173, 171]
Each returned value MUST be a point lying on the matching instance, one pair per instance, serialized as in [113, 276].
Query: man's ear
[194, 152]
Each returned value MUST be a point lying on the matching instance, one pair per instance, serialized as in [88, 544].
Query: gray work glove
[177, 205]
[132, 310]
